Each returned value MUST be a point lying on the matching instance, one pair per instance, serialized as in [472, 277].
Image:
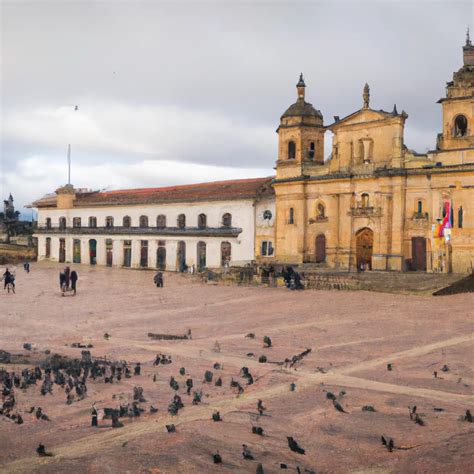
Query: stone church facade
[373, 204]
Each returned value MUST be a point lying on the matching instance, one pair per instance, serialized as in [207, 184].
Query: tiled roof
[214, 191]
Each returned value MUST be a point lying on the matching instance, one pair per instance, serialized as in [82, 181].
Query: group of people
[292, 279]
[68, 280]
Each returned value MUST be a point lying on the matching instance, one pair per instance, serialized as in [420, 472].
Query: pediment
[363, 116]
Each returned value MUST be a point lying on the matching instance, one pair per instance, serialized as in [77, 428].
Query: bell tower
[300, 136]
[458, 105]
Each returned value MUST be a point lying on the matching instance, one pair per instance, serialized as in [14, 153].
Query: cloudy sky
[188, 91]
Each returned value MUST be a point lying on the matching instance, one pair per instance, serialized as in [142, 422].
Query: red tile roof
[252, 188]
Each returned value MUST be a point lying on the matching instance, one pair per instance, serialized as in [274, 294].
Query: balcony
[365, 211]
[152, 231]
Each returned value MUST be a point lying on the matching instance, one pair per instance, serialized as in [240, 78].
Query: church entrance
[76, 251]
[93, 251]
[62, 250]
[364, 247]
[181, 256]
[161, 258]
[320, 248]
[201, 256]
[418, 252]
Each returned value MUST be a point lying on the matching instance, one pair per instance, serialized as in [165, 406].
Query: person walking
[74, 279]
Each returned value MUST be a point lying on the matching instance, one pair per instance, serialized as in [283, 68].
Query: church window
[202, 221]
[181, 221]
[93, 222]
[460, 126]
[291, 150]
[143, 221]
[291, 216]
[227, 220]
[365, 200]
[311, 151]
[127, 221]
[48, 223]
[161, 221]
[109, 221]
[62, 222]
[460, 217]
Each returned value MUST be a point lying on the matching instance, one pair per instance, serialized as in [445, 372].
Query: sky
[187, 91]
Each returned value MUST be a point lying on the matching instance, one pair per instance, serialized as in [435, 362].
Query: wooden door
[161, 258]
[109, 253]
[201, 255]
[62, 250]
[76, 251]
[320, 248]
[418, 248]
[181, 256]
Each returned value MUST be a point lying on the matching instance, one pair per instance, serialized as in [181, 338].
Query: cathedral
[372, 205]
[375, 204]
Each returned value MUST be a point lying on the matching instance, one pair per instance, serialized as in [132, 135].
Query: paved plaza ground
[353, 336]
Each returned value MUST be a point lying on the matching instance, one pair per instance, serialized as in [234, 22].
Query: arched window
[109, 221]
[311, 151]
[76, 222]
[291, 216]
[202, 221]
[365, 200]
[460, 126]
[62, 222]
[143, 221]
[291, 150]
[161, 221]
[127, 221]
[460, 216]
[419, 208]
[93, 222]
[181, 221]
[227, 220]
[48, 223]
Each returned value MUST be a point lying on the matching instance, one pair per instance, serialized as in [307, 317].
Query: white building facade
[206, 225]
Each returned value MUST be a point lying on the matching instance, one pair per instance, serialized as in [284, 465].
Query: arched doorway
[93, 251]
[161, 258]
[109, 252]
[181, 256]
[48, 247]
[320, 248]
[201, 256]
[226, 254]
[364, 247]
[76, 251]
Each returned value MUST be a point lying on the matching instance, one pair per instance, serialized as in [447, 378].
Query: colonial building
[170, 228]
[375, 204]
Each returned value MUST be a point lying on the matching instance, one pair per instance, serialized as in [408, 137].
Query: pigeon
[257, 430]
[246, 453]
[338, 407]
[293, 445]
[153, 409]
[331, 396]
[216, 416]
[170, 428]
[217, 458]
[468, 416]
[41, 450]
[388, 443]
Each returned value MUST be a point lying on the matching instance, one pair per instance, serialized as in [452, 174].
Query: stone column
[117, 253]
[101, 257]
[41, 247]
[213, 253]
[171, 248]
[69, 249]
[85, 255]
[152, 251]
[136, 253]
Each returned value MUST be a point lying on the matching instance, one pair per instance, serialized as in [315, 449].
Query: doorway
[62, 250]
[181, 256]
[320, 248]
[364, 248]
[76, 251]
[161, 258]
[226, 254]
[109, 252]
[201, 256]
[418, 252]
[93, 251]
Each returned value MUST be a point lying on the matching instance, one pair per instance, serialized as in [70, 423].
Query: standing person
[67, 274]
[62, 280]
[158, 279]
[94, 414]
[74, 279]
[8, 277]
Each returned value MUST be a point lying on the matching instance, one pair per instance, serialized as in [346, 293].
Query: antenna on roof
[69, 164]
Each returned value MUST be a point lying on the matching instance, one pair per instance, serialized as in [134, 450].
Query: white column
[213, 253]
[101, 256]
[117, 257]
[152, 251]
[171, 247]
[191, 253]
[41, 247]
[85, 255]
[69, 250]
[135, 253]
[55, 249]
